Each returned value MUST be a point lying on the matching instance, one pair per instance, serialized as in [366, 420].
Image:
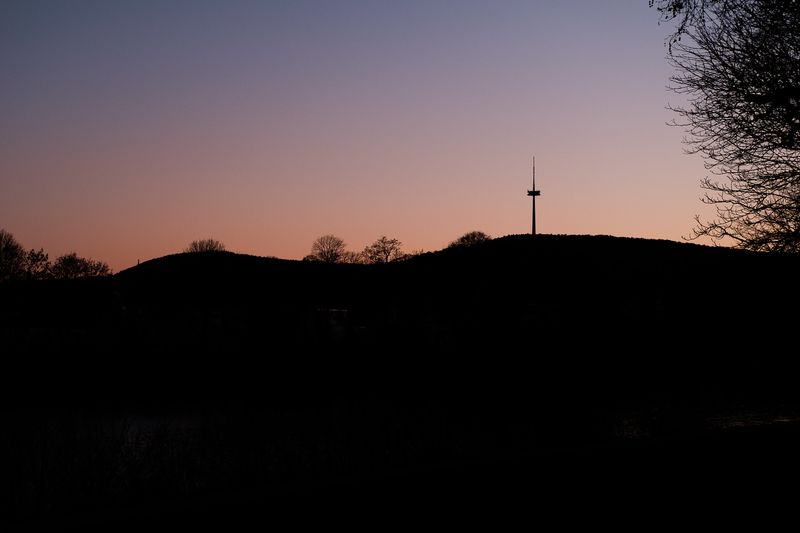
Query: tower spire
[533, 193]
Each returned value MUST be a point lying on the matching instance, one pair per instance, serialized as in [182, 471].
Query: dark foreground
[721, 474]
[716, 479]
[570, 377]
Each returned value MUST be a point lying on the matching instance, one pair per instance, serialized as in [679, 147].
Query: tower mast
[533, 193]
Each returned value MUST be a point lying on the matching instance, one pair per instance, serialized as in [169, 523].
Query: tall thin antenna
[533, 193]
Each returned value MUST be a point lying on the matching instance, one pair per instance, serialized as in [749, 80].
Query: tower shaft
[533, 193]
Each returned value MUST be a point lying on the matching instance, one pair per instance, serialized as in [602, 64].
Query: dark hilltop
[221, 377]
[576, 305]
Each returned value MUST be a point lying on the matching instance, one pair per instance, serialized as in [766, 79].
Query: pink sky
[130, 131]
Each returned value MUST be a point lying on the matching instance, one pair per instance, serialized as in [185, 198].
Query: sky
[130, 128]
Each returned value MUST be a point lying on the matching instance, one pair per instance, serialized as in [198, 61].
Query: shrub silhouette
[205, 245]
[470, 239]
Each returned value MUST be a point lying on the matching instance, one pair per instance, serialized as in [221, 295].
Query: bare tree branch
[738, 64]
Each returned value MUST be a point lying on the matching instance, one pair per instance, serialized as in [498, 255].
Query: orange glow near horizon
[131, 133]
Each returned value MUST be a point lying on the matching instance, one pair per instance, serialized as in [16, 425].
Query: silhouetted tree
[738, 63]
[383, 250]
[70, 266]
[205, 245]
[37, 264]
[328, 248]
[353, 258]
[470, 239]
[12, 256]
[684, 12]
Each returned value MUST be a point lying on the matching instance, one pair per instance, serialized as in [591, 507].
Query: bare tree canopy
[738, 64]
[37, 264]
[16, 263]
[469, 239]
[685, 13]
[328, 248]
[383, 250]
[71, 266]
[205, 245]
[12, 256]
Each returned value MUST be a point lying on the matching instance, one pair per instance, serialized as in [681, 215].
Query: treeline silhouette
[332, 249]
[17, 263]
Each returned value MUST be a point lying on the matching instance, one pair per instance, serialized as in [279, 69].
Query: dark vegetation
[205, 245]
[470, 239]
[738, 64]
[16, 263]
[332, 249]
[197, 384]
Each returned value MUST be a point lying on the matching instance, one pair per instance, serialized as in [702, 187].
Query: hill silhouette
[587, 313]
[634, 309]
[292, 371]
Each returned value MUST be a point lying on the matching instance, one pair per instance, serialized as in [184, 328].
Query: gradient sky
[130, 128]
